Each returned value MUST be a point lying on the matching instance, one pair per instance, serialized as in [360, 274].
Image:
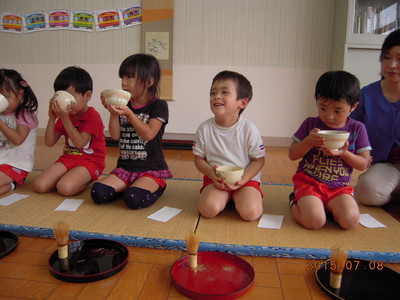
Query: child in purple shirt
[322, 180]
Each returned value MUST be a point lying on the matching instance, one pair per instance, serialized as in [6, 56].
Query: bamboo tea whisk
[338, 263]
[192, 246]
[61, 232]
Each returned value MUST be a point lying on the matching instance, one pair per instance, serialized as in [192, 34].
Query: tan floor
[24, 273]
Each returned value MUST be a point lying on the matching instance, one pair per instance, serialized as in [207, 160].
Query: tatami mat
[38, 211]
[295, 240]
[36, 215]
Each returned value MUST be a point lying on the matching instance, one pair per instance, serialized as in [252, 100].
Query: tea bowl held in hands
[64, 99]
[116, 96]
[3, 103]
[335, 139]
[231, 174]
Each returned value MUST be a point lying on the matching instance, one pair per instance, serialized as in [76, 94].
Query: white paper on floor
[165, 214]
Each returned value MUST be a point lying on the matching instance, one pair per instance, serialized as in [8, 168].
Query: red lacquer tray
[217, 276]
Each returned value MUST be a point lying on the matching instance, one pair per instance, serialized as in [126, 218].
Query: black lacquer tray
[361, 279]
[90, 260]
[8, 242]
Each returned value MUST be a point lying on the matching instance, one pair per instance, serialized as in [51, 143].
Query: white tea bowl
[64, 99]
[231, 174]
[116, 96]
[335, 139]
[3, 103]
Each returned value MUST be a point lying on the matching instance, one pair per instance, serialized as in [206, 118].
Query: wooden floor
[24, 273]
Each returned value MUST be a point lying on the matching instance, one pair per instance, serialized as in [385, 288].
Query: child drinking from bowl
[141, 170]
[18, 126]
[83, 159]
[322, 180]
[229, 139]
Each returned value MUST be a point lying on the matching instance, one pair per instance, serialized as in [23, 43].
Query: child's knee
[102, 193]
[349, 224]
[39, 186]
[349, 221]
[251, 213]
[209, 211]
[136, 197]
[210, 205]
[314, 221]
[67, 188]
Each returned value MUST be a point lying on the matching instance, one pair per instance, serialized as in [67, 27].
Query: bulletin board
[157, 37]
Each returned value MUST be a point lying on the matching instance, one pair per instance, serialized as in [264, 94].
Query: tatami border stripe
[179, 245]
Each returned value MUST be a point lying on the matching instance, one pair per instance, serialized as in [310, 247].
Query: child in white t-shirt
[230, 139]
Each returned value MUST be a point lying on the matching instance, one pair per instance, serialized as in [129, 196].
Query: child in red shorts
[230, 139]
[18, 127]
[322, 180]
[83, 159]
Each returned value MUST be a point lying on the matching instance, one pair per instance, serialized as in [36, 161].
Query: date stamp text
[315, 265]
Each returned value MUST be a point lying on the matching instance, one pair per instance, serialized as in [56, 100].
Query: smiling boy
[322, 180]
[229, 139]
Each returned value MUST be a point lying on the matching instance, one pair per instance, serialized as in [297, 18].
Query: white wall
[357, 60]
[281, 46]
[282, 97]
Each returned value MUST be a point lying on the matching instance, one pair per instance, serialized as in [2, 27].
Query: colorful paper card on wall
[11, 22]
[34, 21]
[57, 19]
[82, 20]
[131, 15]
[107, 19]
